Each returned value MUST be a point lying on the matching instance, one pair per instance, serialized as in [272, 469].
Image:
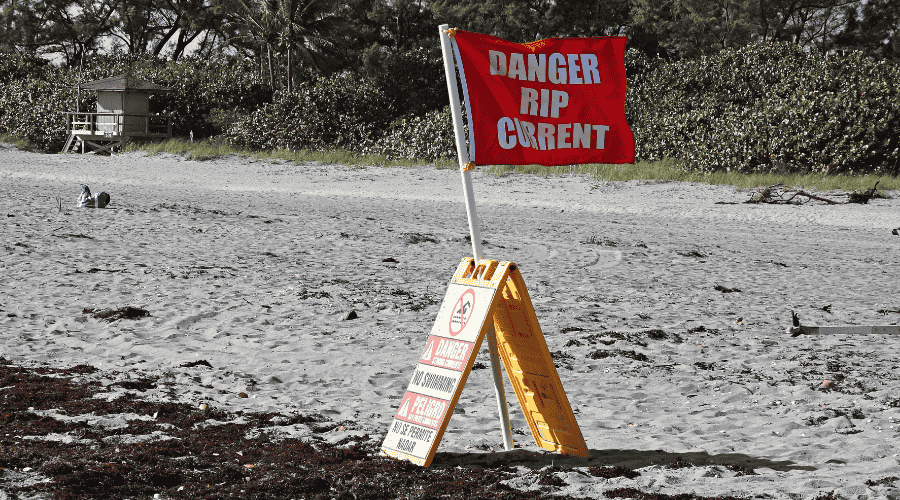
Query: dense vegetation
[769, 108]
[797, 86]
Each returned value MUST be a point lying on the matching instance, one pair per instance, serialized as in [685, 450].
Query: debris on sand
[863, 196]
[779, 194]
[110, 315]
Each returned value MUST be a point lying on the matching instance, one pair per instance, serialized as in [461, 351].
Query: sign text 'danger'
[564, 69]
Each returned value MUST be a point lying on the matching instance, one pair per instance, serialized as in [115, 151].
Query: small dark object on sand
[740, 470]
[199, 362]
[611, 472]
[551, 479]
[885, 481]
[110, 315]
[641, 495]
[137, 385]
[605, 353]
[679, 463]
[896, 232]
[862, 196]
[87, 201]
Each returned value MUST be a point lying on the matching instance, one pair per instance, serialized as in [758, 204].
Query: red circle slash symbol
[462, 311]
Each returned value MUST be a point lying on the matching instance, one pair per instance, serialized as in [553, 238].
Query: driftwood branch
[780, 194]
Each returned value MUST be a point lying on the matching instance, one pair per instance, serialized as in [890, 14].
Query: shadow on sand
[631, 459]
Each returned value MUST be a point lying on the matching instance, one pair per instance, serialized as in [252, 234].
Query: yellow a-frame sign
[487, 299]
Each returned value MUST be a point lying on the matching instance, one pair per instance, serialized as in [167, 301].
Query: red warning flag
[558, 101]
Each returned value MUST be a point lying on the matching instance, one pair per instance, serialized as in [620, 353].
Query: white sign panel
[436, 383]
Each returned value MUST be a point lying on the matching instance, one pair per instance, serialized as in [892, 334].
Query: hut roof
[123, 83]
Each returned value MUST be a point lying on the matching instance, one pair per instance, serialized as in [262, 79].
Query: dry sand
[253, 266]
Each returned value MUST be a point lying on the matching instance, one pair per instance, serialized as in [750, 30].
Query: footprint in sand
[194, 318]
[603, 259]
[586, 258]
[388, 384]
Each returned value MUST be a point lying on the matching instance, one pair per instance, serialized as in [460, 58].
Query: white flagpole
[474, 231]
[462, 151]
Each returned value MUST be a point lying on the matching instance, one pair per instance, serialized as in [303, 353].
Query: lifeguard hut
[123, 114]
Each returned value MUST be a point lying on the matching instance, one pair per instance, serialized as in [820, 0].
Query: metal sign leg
[502, 409]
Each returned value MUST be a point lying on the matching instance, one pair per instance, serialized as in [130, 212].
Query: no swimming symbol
[462, 311]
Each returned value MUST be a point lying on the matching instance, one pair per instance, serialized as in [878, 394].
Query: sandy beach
[254, 266]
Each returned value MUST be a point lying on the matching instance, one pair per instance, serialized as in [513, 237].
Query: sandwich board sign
[480, 300]
[549, 102]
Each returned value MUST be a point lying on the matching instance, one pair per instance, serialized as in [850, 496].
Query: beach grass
[207, 150]
[672, 170]
[18, 142]
[661, 170]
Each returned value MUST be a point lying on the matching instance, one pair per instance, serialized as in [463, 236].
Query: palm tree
[304, 27]
[257, 23]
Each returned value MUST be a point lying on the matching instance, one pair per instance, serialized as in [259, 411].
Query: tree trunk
[290, 42]
[182, 42]
[289, 71]
[271, 73]
[164, 39]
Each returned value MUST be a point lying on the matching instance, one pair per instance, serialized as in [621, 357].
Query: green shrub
[411, 80]
[769, 108]
[637, 63]
[32, 94]
[201, 90]
[18, 66]
[428, 137]
[336, 112]
[30, 109]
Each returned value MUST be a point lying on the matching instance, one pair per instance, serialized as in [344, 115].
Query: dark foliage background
[332, 112]
[792, 87]
[768, 108]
